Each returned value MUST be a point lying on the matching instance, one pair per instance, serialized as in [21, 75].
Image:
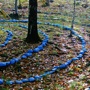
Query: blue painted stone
[46, 35]
[2, 45]
[69, 62]
[17, 59]
[28, 54]
[8, 63]
[40, 47]
[9, 38]
[76, 34]
[5, 43]
[83, 42]
[63, 66]
[54, 69]
[31, 79]
[37, 77]
[79, 56]
[74, 59]
[84, 49]
[36, 50]
[25, 21]
[44, 40]
[14, 20]
[66, 28]
[23, 56]
[81, 52]
[10, 82]
[79, 36]
[73, 32]
[6, 39]
[18, 82]
[2, 64]
[25, 80]
[83, 46]
[30, 51]
[50, 72]
[44, 44]
[12, 61]
[1, 81]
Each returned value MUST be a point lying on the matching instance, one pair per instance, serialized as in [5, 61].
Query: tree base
[20, 6]
[33, 40]
[14, 16]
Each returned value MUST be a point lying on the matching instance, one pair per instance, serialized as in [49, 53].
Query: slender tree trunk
[32, 35]
[16, 9]
[47, 3]
[73, 19]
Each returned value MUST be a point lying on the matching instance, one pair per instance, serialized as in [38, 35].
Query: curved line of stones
[39, 48]
[8, 37]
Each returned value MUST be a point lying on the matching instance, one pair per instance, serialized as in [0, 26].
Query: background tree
[32, 35]
[46, 3]
[73, 19]
[15, 15]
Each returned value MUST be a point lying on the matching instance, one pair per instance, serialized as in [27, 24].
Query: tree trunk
[47, 3]
[16, 8]
[32, 36]
[73, 19]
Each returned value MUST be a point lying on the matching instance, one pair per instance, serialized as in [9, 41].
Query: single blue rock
[17, 59]
[10, 82]
[1, 81]
[12, 61]
[79, 56]
[23, 56]
[2, 45]
[36, 50]
[25, 80]
[28, 54]
[18, 82]
[37, 77]
[5, 43]
[31, 79]
[74, 59]
[44, 44]
[84, 49]
[63, 66]
[8, 63]
[30, 51]
[2, 64]
[54, 69]
[50, 72]
[40, 47]
[81, 52]
[68, 62]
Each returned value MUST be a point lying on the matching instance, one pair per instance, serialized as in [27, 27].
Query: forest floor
[63, 48]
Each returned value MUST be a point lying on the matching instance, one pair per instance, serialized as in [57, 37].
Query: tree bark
[32, 36]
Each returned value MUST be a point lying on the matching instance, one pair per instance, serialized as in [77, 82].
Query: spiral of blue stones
[39, 48]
